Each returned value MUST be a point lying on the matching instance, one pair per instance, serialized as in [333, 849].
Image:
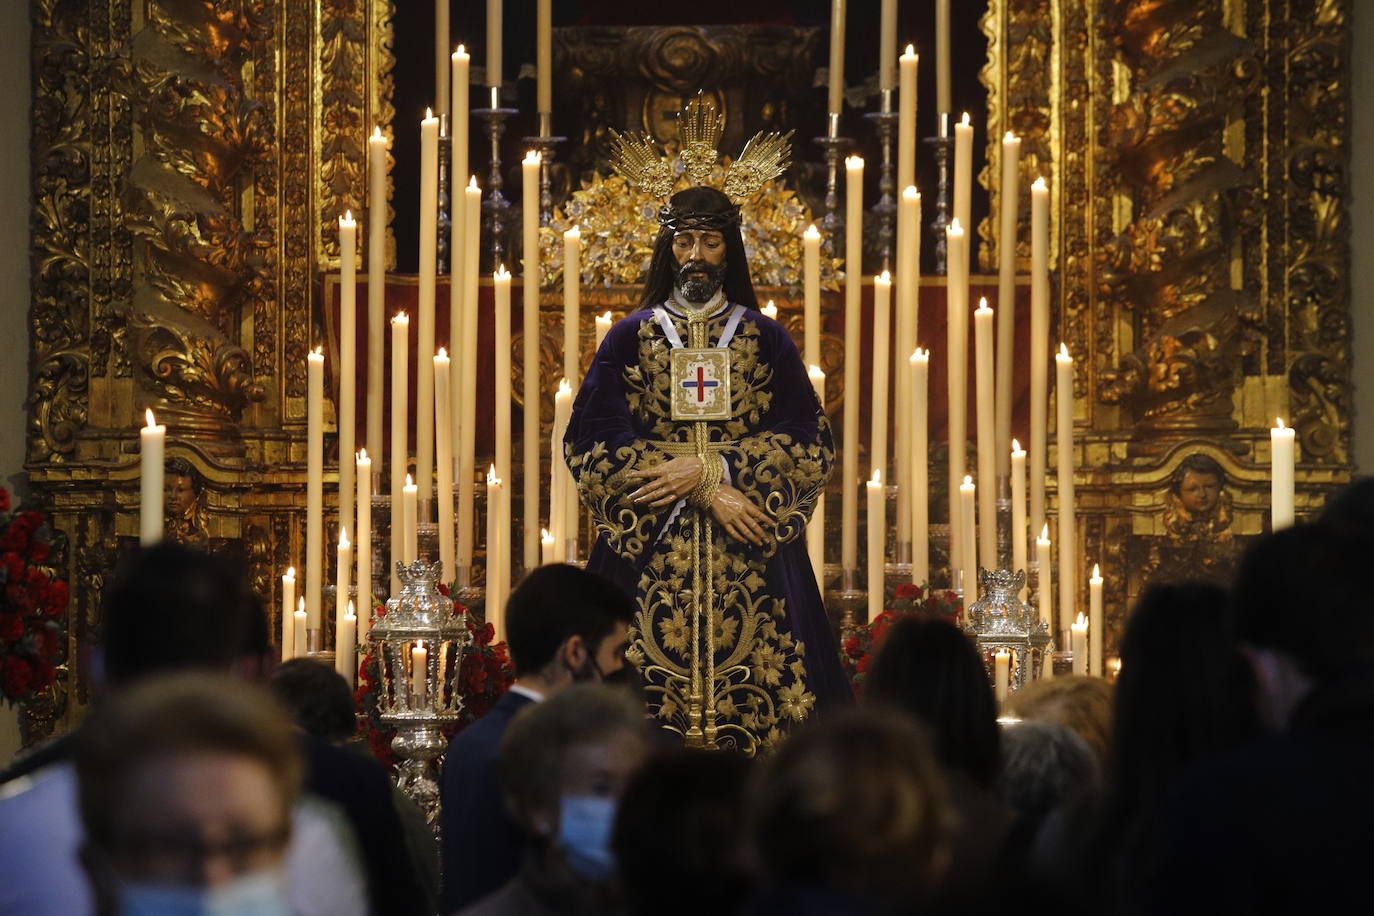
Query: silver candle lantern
[1000, 620]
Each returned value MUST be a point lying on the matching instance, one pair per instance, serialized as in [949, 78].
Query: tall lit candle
[770, 310]
[987, 460]
[942, 59]
[572, 304]
[811, 296]
[837, 23]
[467, 372]
[343, 568]
[906, 119]
[443, 440]
[1079, 641]
[815, 531]
[299, 624]
[1045, 590]
[501, 406]
[882, 341]
[364, 532]
[908, 278]
[152, 441]
[400, 432]
[1095, 622]
[968, 543]
[1001, 674]
[877, 537]
[543, 56]
[419, 673]
[288, 605]
[853, 302]
[494, 62]
[346, 645]
[603, 327]
[559, 481]
[314, 486]
[348, 359]
[547, 545]
[410, 529]
[376, 286]
[1068, 536]
[441, 61]
[920, 470]
[963, 178]
[1037, 460]
[458, 248]
[424, 370]
[1006, 294]
[496, 597]
[1281, 487]
[956, 365]
[1019, 533]
[529, 520]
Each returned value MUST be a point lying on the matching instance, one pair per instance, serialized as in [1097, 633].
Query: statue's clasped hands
[666, 483]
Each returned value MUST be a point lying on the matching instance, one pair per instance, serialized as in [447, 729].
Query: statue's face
[179, 494]
[1199, 492]
[700, 255]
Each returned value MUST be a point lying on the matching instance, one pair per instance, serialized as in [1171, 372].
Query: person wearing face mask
[563, 625]
[564, 766]
[700, 448]
[186, 784]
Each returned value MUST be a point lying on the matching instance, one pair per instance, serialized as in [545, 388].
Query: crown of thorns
[641, 162]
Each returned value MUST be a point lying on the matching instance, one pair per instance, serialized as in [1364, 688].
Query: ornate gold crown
[639, 160]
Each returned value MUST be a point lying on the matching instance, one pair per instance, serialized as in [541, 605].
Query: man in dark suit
[563, 625]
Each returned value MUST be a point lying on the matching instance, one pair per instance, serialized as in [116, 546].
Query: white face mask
[260, 893]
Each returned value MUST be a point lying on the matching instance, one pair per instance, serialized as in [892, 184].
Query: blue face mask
[261, 893]
[584, 835]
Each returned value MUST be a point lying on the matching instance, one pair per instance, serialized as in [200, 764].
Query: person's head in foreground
[853, 808]
[564, 765]
[186, 784]
[565, 625]
[1080, 703]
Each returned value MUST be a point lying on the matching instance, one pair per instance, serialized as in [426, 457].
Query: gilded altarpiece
[189, 158]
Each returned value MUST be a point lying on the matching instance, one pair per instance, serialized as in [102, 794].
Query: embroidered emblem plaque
[701, 384]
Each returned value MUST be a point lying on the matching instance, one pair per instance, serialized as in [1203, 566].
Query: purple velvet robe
[775, 656]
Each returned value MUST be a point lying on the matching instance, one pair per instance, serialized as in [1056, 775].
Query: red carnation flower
[37, 578]
[39, 551]
[55, 598]
[11, 628]
[908, 591]
[15, 537]
[14, 677]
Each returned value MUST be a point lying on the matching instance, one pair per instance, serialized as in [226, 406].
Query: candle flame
[318, 352]
[983, 304]
[815, 372]
[877, 478]
[1015, 445]
[911, 192]
[1039, 184]
[343, 536]
[884, 277]
[968, 480]
[290, 573]
[300, 606]
[377, 132]
[854, 163]
[918, 355]
[429, 113]
[606, 316]
[400, 318]
[544, 535]
[492, 479]
[812, 232]
[347, 217]
[564, 387]
[461, 52]
[1064, 351]
[1278, 420]
[351, 611]
[442, 354]
[574, 233]
[1097, 572]
[501, 273]
[910, 50]
[954, 228]
[966, 120]
[362, 455]
[1080, 622]
[532, 157]
[1045, 532]
[409, 482]
[148, 415]
[1009, 136]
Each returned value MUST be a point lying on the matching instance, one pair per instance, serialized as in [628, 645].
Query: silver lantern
[1000, 620]
[419, 644]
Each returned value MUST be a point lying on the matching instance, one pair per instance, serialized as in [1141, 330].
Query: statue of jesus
[700, 448]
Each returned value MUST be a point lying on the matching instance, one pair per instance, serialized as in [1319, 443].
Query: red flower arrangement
[911, 600]
[485, 674]
[33, 604]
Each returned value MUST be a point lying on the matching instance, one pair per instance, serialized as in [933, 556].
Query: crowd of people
[1225, 770]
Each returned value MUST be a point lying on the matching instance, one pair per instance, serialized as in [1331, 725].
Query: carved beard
[699, 281]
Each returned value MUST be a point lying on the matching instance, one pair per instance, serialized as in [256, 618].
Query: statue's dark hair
[697, 202]
[1197, 463]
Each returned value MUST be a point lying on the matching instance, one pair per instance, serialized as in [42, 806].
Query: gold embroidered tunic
[731, 639]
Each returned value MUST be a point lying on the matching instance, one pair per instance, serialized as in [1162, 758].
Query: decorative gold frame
[189, 162]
